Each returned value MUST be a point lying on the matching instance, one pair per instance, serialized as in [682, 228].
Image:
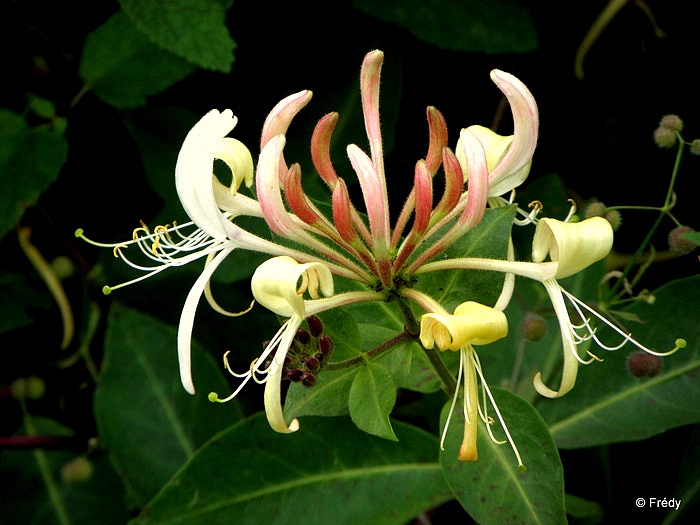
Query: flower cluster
[362, 246]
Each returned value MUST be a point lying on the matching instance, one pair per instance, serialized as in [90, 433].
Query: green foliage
[150, 424]
[193, 30]
[609, 405]
[326, 472]
[533, 496]
[124, 67]
[30, 160]
[501, 26]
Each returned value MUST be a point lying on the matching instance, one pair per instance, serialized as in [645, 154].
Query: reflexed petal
[574, 246]
[193, 172]
[239, 160]
[472, 323]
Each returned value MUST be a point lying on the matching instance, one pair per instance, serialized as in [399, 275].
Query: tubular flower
[471, 324]
[571, 248]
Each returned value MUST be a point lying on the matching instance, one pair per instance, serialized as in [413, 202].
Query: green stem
[45, 470]
[374, 352]
[664, 210]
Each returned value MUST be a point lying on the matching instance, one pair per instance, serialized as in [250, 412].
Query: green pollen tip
[79, 233]
[106, 290]
[213, 397]
[681, 343]
[522, 468]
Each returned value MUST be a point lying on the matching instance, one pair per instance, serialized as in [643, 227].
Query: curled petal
[574, 246]
[472, 323]
[239, 160]
[513, 168]
[276, 284]
[184, 331]
[193, 172]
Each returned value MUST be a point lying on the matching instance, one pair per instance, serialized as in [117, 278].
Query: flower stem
[374, 352]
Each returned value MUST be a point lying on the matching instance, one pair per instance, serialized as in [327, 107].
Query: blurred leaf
[492, 490]
[609, 405]
[194, 30]
[326, 472]
[25, 499]
[583, 511]
[123, 67]
[497, 26]
[372, 396]
[30, 160]
[145, 417]
[18, 295]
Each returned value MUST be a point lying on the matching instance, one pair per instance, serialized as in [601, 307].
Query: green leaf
[194, 30]
[489, 239]
[609, 405]
[326, 472]
[492, 489]
[145, 417]
[688, 487]
[124, 67]
[497, 26]
[372, 397]
[30, 160]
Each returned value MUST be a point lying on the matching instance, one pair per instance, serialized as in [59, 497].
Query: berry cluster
[310, 350]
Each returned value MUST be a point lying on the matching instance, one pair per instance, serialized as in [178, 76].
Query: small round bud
[302, 336]
[533, 327]
[63, 267]
[664, 137]
[326, 345]
[312, 364]
[614, 217]
[315, 325]
[28, 388]
[695, 147]
[672, 122]
[595, 209]
[76, 471]
[642, 364]
[677, 243]
[295, 374]
[308, 379]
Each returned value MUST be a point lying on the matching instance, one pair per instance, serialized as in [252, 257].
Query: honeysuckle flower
[571, 248]
[471, 324]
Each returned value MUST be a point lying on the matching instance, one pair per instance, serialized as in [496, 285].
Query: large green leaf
[372, 396]
[609, 405]
[124, 67]
[326, 472]
[150, 424]
[194, 30]
[30, 160]
[492, 489]
[497, 26]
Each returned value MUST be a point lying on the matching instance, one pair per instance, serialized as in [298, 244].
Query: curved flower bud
[574, 246]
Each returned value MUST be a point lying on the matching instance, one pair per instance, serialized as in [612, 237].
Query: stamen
[454, 402]
[572, 210]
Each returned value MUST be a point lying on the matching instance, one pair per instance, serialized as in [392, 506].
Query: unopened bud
[677, 243]
[664, 137]
[295, 374]
[326, 345]
[315, 325]
[308, 379]
[76, 471]
[312, 364]
[672, 122]
[533, 327]
[28, 388]
[614, 217]
[302, 336]
[695, 147]
[595, 209]
[642, 364]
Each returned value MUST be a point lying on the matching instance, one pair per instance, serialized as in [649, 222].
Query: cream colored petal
[574, 246]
